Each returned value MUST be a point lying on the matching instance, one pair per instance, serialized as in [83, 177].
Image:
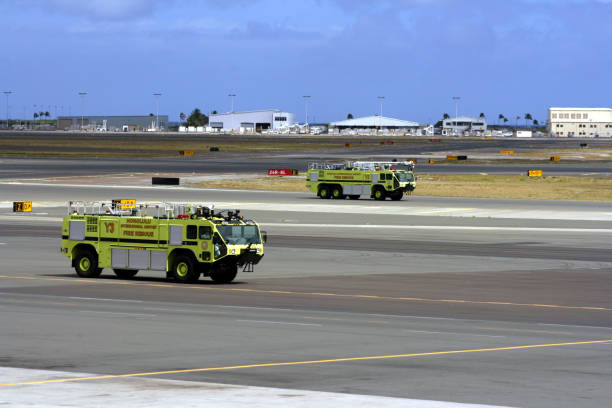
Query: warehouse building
[252, 121]
[367, 124]
[580, 122]
[463, 124]
[112, 123]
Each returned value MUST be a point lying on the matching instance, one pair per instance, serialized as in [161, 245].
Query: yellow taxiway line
[296, 363]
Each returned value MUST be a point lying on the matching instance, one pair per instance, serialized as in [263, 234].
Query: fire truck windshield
[239, 234]
[404, 177]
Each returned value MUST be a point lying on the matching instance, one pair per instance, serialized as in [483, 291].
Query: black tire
[86, 264]
[379, 194]
[324, 192]
[396, 196]
[336, 193]
[223, 273]
[125, 273]
[184, 269]
[354, 196]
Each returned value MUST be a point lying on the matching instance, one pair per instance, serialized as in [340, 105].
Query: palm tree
[516, 123]
[47, 114]
[40, 115]
[527, 117]
[35, 115]
[505, 119]
[499, 117]
[446, 116]
[349, 116]
[535, 122]
[482, 115]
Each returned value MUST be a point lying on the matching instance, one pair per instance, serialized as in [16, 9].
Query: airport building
[463, 124]
[580, 122]
[112, 123]
[369, 123]
[252, 121]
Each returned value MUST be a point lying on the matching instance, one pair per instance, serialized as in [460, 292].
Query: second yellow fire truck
[378, 180]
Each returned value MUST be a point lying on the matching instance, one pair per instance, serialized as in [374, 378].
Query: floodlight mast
[157, 95]
[7, 93]
[306, 98]
[82, 95]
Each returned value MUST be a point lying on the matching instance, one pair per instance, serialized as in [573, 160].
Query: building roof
[244, 112]
[372, 121]
[465, 119]
[107, 116]
[574, 109]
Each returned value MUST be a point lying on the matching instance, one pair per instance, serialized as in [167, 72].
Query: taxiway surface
[502, 302]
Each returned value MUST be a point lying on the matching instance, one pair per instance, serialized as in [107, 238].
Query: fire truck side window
[192, 232]
[205, 232]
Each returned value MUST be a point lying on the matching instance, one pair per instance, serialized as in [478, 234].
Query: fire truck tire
[354, 197]
[86, 264]
[324, 192]
[397, 196]
[336, 193]
[223, 273]
[184, 270]
[379, 194]
[125, 273]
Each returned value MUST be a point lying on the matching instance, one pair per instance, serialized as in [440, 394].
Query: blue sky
[500, 56]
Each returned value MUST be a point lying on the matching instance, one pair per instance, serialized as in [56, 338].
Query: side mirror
[264, 236]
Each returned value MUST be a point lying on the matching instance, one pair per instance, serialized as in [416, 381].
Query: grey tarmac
[468, 301]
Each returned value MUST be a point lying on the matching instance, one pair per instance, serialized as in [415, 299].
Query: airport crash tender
[378, 180]
[184, 240]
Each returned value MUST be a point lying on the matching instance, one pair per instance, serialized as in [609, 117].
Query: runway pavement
[498, 302]
[19, 168]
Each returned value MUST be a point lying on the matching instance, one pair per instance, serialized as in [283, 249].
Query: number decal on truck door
[110, 227]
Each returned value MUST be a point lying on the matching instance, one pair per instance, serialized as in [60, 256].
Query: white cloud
[105, 9]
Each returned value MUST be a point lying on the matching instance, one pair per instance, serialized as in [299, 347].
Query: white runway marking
[118, 313]
[273, 322]
[106, 300]
[446, 332]
[440, 227]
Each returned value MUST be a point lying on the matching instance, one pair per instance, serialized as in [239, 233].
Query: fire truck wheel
[125, 273]
[337, 193]
[223, 273]
[184, 270]
[324, 192]
[379, 194]
[86, 264]
[397, 196]
[354, 197]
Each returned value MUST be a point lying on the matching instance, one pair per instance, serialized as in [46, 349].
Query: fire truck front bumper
[249, 256]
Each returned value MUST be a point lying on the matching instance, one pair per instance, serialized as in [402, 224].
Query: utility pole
[306, 98]
[232, 98]
[456, 99]
[7, 93]
[82, 95]
[157, 95]
[381, 99]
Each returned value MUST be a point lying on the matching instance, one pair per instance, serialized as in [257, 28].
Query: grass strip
[477, 186]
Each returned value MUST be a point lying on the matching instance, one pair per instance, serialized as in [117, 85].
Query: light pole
[232, 98]
[157, 95]
[82, 95]
[381, 99]
[456, 99]
[7, 93]
[306, 98]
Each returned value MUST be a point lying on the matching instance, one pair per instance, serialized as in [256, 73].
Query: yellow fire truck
[378, 180]
[183, 240]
